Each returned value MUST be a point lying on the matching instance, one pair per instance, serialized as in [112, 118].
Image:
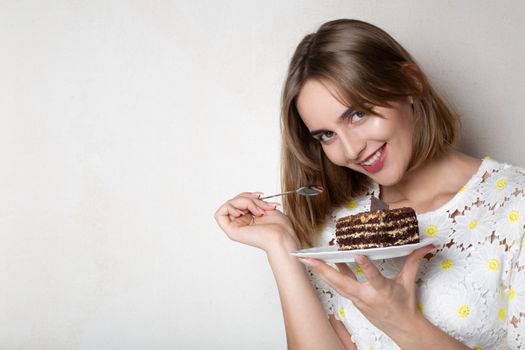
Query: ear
[413, 72]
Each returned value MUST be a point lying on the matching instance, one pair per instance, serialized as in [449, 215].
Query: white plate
[331, 254]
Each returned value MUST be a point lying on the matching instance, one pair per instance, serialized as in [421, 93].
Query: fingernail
[309, 262]
[273, 204]
[258, 194]
[359, 259]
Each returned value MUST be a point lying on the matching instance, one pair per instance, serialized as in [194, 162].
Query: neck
[440, 177]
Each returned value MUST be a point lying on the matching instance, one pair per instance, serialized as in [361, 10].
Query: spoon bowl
[309, 190]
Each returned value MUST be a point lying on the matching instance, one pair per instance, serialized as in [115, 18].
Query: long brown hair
[367, 67]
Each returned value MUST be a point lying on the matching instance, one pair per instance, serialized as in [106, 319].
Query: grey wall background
[125, 124]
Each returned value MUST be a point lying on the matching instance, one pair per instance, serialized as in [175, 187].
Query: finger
[245, 203]
[235, 213]
[266, 205]
[372, 274]
[224, 216]
[254, 197]
[409, 270]
[227, 209]
[345, 270]
[261, 203]
[341, 282]
[250, 194]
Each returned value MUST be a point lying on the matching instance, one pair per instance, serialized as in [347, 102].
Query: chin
[389, 179]
[385, 183]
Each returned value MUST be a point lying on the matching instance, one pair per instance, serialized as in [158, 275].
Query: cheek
[337, 156]
[407, 137]
[334, 154]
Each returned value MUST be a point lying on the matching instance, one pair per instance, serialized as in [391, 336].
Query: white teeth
[373, 159]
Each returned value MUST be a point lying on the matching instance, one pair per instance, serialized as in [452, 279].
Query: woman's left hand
[389, 304]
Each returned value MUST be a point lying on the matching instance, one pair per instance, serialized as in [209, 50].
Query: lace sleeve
[325, 293]
[516, 298]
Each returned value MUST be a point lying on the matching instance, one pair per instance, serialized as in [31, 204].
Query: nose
[353, 147]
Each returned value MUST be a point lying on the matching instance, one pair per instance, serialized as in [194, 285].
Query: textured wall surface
[125, 124]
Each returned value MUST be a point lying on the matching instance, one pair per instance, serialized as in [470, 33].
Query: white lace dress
[473, 288]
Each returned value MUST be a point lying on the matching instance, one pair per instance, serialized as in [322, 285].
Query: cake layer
[377, 217]
[375, 229]
[378, 240]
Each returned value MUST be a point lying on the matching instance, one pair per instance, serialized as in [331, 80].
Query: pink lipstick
[375, 162]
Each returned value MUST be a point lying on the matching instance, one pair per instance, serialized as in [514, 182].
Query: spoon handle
[278, 194]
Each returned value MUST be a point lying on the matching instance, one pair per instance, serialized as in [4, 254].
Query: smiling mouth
[374, 157]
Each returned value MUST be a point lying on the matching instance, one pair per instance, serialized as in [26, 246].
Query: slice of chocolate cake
[378, 228]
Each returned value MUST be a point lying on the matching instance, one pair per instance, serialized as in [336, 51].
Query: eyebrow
[340, 119]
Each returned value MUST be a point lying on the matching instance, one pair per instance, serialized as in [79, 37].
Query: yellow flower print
[474, 226]
[352, 204]
[358, 270]
[447, 264]
[493, 265]
[514, 216]
[463, 311]
[462, 189]
[431, 230]
[487, 263]
[501, 314]
[501, 184]
[420, 308]
[487, 157]
[478, 347]
[435, 225]
[512, 293]
[458, 306]
[341, 312]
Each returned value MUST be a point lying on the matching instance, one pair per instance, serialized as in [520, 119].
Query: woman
[360, 118]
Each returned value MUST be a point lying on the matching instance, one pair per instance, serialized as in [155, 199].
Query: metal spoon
[310, 190]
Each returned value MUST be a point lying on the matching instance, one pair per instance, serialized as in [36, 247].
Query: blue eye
[326, 136]
[357, 116]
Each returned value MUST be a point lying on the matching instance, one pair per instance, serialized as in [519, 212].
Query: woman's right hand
[252, 221]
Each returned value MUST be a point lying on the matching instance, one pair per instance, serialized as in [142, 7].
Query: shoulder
[502, 182]
[503, 194]
[510, 171]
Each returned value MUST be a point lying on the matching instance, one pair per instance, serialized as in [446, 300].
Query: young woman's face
[377, 146]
